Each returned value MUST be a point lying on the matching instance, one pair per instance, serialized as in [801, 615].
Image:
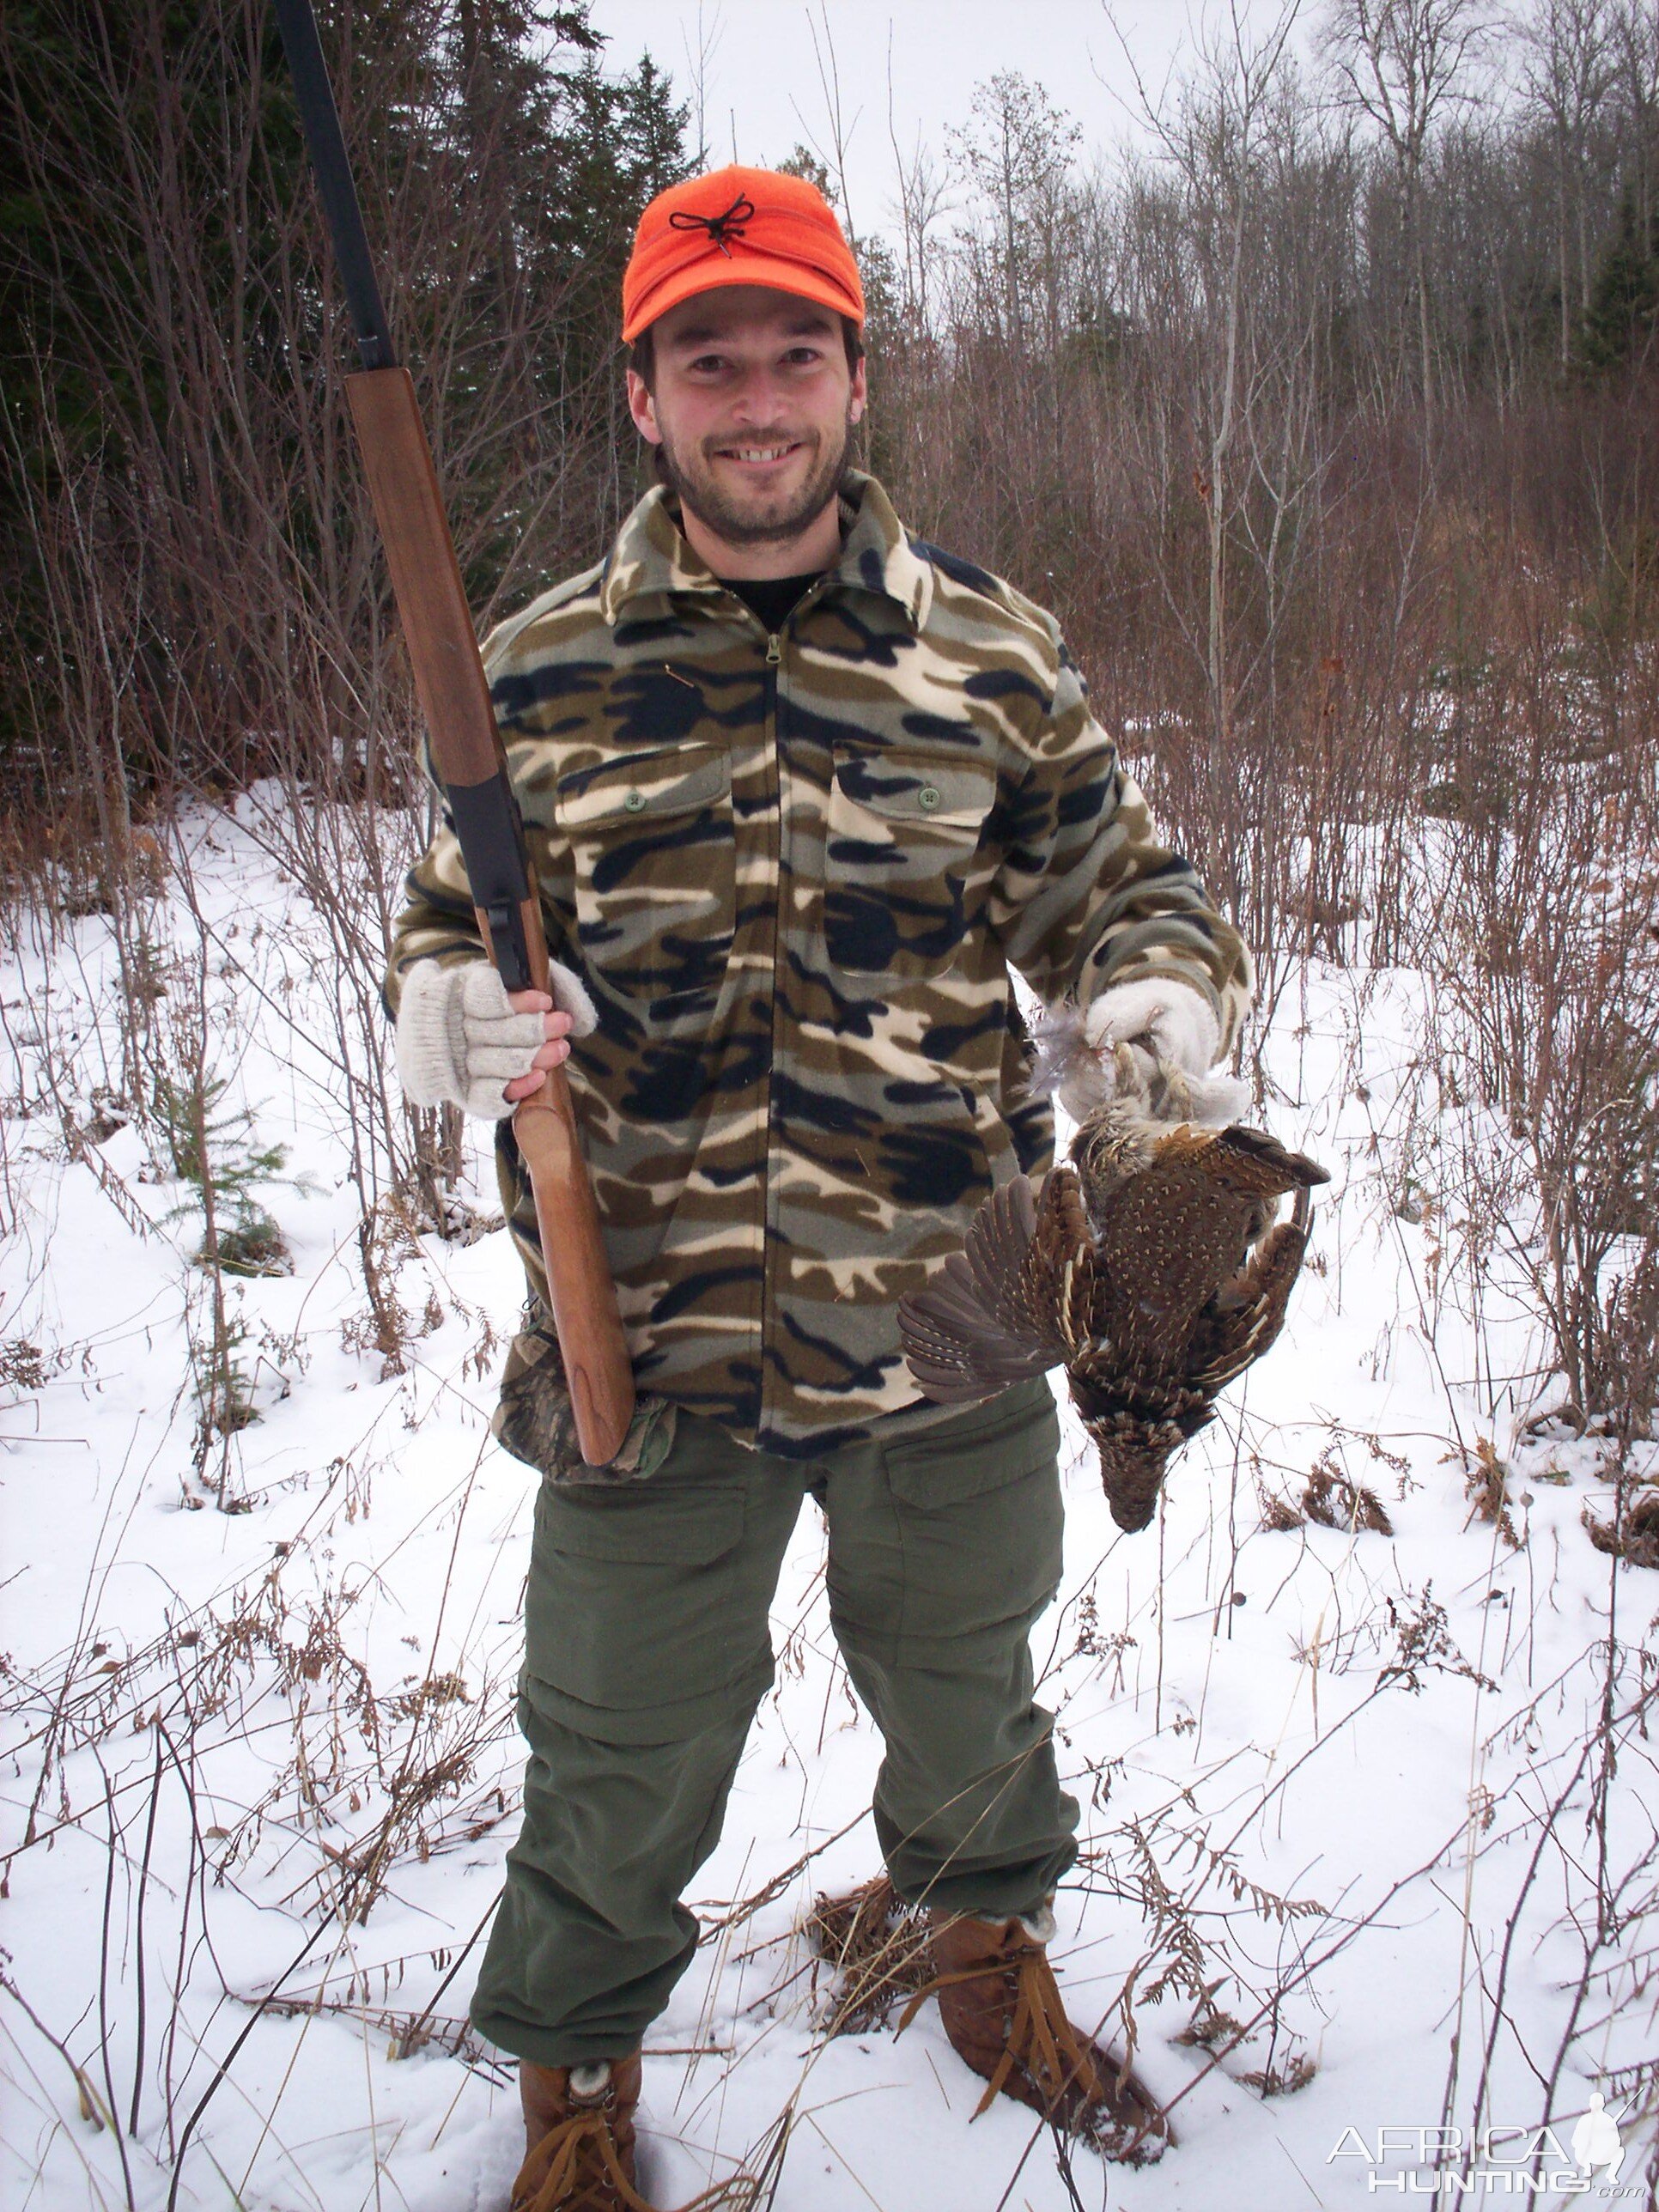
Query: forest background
[1322, 413]
[1322, 416]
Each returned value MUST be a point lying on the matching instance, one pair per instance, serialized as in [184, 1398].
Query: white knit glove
[1132, 1030]
[1172, 1021]
[459, 1041]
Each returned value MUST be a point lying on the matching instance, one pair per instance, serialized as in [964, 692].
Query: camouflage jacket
[795, 871]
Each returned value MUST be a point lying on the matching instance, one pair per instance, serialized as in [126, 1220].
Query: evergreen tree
[1624, 299]
[801, 162]
[172, 340]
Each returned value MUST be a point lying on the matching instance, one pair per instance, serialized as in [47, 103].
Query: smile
[759, 456]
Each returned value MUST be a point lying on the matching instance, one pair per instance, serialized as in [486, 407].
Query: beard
[767, 517]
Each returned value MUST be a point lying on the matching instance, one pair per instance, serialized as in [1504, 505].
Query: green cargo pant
[647, 1653]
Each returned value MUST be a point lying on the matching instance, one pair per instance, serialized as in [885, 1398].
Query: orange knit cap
[737, 226]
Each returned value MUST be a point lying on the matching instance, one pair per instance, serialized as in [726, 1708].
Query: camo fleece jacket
[795, 871]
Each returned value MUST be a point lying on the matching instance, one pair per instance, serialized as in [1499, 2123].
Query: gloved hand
[463, 1042]
[1171, 1021]
[1131, 1034]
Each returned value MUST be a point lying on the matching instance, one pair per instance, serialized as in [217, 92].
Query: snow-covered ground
[260, 1766]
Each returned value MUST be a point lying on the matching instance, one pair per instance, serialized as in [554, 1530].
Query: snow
[1346, 1776]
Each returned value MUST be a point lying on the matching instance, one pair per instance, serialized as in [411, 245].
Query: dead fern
[1268, 1903]
[1336, 1502]
[1633, 1535]
[878, 1949]
[1181, 1959]
[24, 1366]
[388, 1237]
[1487, 1486]
[1277, 1514]
[436, 1690]
[1209, 2025]
[1282, 2081]
[1175, 1936]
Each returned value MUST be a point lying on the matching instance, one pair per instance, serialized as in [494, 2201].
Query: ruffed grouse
[1150, 1268]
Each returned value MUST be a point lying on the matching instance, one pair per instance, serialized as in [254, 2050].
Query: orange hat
[737, 226]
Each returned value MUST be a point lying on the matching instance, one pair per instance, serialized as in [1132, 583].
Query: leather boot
[579, 2138]
[1003, 2013]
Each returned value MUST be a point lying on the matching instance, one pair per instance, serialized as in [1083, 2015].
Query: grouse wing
[1245, 1315]
[1007, 1305]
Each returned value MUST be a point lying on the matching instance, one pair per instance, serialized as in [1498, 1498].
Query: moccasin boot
[579, 2138]
[1002, 2011]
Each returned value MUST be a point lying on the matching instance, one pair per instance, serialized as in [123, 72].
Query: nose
[758, 398]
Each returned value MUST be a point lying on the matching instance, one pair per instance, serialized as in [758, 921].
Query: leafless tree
[1568, 74]
[1216, 147]
[1017, 159]
[1402, 64]
[839, 126]
[1636, 47]
[921, 202]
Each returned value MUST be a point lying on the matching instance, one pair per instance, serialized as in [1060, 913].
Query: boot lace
[1044, 2049]
[582, 2172]
[1041, 2041]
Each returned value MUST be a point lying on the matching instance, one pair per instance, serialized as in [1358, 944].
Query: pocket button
[635, 800]
[928, 797]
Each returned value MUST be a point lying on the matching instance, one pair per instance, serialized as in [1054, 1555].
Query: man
[798, 790]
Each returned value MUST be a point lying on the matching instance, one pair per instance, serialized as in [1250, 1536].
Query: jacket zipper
[774, 662]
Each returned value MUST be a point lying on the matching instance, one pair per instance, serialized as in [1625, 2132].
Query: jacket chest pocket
[651, 841]
[900, 837]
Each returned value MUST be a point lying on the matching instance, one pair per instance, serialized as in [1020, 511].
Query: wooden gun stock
[466, 747]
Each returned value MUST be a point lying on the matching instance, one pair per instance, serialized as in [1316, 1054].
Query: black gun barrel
[344, 216]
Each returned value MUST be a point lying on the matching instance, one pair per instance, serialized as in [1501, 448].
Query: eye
[804, 356]
[705, 364]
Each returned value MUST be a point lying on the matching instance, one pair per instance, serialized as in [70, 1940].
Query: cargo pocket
[634, 1616]
[651, 837]
[980, 1517]
[901, 838]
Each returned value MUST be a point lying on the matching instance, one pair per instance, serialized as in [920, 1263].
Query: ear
[643, 408]
[857, 394]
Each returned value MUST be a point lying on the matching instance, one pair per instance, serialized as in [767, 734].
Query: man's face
[752, 404]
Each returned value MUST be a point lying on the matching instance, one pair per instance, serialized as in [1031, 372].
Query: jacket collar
[652, 559]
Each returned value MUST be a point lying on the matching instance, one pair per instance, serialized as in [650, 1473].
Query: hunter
[800, 790]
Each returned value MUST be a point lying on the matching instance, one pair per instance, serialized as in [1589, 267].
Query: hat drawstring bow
[717, 225]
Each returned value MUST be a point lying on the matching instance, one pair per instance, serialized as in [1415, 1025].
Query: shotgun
[466, 748]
